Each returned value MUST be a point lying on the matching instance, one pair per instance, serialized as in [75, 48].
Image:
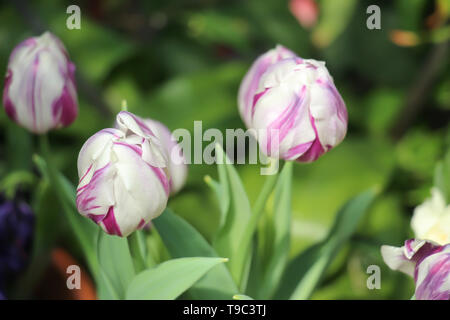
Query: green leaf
[227, 243]
[442, 176]
[84, 229]
[281, 225]
[222, 194]
[170, 279]
[116, 264]
[306, 270]
[242, 297]
[182, 240]
[334, 18]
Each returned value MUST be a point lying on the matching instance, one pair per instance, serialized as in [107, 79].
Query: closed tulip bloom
[124, 182]
[176, 161]
[297, 112]
[39, 92]
[427, 262]
[250, 83]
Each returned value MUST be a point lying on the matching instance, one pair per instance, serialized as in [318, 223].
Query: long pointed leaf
[182, 240]
[306, 270]
[227, 242]
[170, 279]
[116, 265]
[281, 224]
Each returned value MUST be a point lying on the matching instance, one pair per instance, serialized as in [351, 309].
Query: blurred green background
[181, 61]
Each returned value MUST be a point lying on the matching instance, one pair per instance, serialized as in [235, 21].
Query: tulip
[250, 83]
[297, 102]
[427, 262]
[177, 164]
[39, 92]
[431, 220]
[124, 181]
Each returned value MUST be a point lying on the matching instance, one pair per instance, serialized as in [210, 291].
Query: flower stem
[134, 244]
[247, 237]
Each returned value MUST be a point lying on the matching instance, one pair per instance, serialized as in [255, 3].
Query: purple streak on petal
[87, 171]
[84, 197]
[298, 150]
[65, 109]
[341, 110]
[110, 223]
[96, 217]
[133, 147]
[31, 94]
[430, 287]
[162, 178]
[426, 250]
[110, 131]
[316, 149]
[140, 123]
[7, 103]
[286, 120]
[141, 224]
[256, 98]
[260, 67]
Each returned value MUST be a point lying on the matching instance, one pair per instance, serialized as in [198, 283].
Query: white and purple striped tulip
[124, 181]
[177, 163]
[250, 82]
[427, 262]
[40, 92]
[296, 111]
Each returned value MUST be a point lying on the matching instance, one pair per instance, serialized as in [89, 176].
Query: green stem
[134, 245]
[257, 210]
[69, 207]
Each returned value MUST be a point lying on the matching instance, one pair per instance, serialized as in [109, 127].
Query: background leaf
[174, 231]
[170, 279]
[227, 241]
[305, 271]
[281, 223]
[116, 265]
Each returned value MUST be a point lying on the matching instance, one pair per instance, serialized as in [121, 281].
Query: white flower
[40, 92]
[124, 182]
[431, 219]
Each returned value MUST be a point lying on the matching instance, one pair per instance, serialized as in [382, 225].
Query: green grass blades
[182, 240]
[306, 270]
[170, 279]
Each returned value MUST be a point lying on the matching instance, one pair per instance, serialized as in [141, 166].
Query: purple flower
[39, 92]
[427, 262]
[124, 177]
[16, 232]
[293, 106]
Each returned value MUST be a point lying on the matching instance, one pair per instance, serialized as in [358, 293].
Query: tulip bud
[431, 220]
[250, 83]
[124, 182]
[39, 92]
[427, 262]
[296, 99]
[177, 163]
